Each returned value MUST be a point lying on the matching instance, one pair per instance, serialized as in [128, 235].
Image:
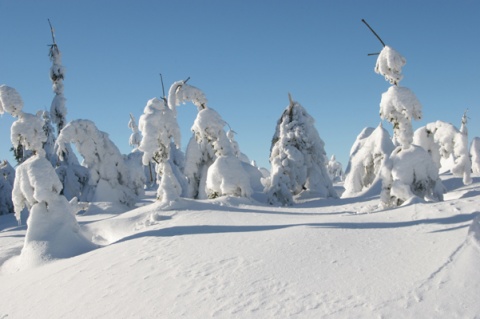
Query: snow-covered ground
[237, 258]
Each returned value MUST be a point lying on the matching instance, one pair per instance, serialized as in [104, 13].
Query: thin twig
[185, 81]
[163, 87]
[53, 32]
[375, 33]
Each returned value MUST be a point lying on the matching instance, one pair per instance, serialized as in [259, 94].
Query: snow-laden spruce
[475, 155]
[335, 169]
[410, 171]
[135, 137]
[7, 178]
[297, 158]
[211, 166]
[58, 110]
[447, 146]
[109, 177]
[180, 92]
[161, 140]
[371, 148]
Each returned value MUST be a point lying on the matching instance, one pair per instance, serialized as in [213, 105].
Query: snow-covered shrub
[408, 173]
[475, 155]
[109, 176]
[7, 177]
[53, 231]
[210, 158]
[297, 158]
[161, 139]
[370, 150]
[443, 142]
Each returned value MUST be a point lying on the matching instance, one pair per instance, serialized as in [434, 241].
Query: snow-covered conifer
[135, 138]
[409, 171]
[109, 177]
[58, 110]
[475, 155]
[367, 155]
[447, 146]
[7, 177]
[49, 145]
[335, 169]
[297, 158]
[161, 139]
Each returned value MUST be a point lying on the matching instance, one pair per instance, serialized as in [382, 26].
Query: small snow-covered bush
[370, 150]
[226, 176]
[409, 173]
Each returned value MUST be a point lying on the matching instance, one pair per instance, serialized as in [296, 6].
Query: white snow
[390, 64]
[236, 258]
[10, 101]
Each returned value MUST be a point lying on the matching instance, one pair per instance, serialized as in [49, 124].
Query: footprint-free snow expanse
[236, 258]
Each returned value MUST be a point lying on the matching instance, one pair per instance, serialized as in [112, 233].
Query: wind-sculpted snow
[233, 257]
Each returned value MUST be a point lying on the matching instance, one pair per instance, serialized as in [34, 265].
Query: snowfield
[237, 258]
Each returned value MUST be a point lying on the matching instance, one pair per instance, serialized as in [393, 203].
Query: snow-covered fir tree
[7, 178]
[475, 155]
[410, 171]
[447, 146]
[135, 137]
[371, 148]
[161, 140]
[297, 158]
[335, 169]
[58, 110]
[49, 145]
[109, 177]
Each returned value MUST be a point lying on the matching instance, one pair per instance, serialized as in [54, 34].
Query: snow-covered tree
[109, 177]
[335, 169]
[475, 155]
[297, 157]
[7, 177]
[58, 110]
[371, 148]
[135, 138]
[49, 145]
[161, 140]
[447, 146]
[409, 171]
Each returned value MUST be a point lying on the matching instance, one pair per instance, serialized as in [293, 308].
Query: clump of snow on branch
[109, 176]
[180, 92]
[161, 140]
[400, 106]
[297, 158]
[370, 150]
[410, 173]
[10, 101]
[28, 132]
[390, 64]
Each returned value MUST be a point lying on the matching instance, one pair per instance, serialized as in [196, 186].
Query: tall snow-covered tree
[161, 140]
[475, 155]
[109, 177]
[367, 155]
[297, 157]
[409, 171]
[335, 169]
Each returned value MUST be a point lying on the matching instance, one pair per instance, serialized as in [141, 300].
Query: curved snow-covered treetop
[389, 64]
[28, 132]
[180, 92]
[10, 101]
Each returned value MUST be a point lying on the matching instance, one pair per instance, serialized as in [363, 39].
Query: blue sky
[246, 56]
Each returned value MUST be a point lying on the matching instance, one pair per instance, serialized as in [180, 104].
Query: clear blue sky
[246, 56]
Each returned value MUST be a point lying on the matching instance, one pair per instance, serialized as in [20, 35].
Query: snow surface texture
[109, 176]
[234, 258]
[370, 150]
[390, 64]
[53, 231]
[297, 158]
